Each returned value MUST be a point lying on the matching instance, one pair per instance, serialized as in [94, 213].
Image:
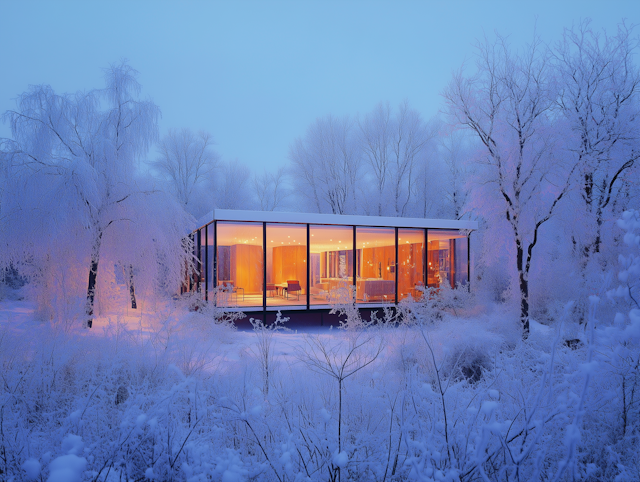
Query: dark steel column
[425, 258]
[469, 262]
[396, 267]
[214, 273]
[206, 263]
[355, 270]
[199, 254]
[264, 273]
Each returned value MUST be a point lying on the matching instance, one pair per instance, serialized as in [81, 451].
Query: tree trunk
[524, 290]
[93, 275]
[132, 291]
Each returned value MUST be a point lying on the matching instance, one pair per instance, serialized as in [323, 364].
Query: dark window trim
[214, 271]
[355, 266]
[308, 267]
[396, 268]
[206, 262]
[264, 271]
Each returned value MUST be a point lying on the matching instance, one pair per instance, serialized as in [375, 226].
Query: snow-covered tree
[233, 187]
[73, 202]
[393, 145]
[326, 166]
[271, 190]
[187, 162]
[520, 180]
[599, 97]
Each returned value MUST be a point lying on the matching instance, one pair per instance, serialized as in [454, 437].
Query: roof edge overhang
[334, 219]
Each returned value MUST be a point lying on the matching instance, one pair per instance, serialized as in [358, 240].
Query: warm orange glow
[287, 265]
[333, 265]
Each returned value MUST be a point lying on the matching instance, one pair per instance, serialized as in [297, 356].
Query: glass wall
[202, 257]
[376, 265]
[210, 258]
[240, 263]
[331, 269]
[332, 266]
[410, 263]
[448, 258]
[286, 264]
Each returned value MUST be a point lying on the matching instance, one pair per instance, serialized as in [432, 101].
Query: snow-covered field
[171, 396]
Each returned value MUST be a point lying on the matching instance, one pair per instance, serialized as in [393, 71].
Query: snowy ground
[167, 395]
[221, 348]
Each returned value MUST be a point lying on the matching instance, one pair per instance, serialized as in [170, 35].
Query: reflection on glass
[286, 264]
[331, 251]
[410, 263]
[376, 268]
[447, 256]
[240, 263]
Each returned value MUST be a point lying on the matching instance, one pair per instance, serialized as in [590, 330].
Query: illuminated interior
[410, 263]
[286, 264]
[376, 265]
[240, 263]
[448, 258]
[331, 252]
[309, 265]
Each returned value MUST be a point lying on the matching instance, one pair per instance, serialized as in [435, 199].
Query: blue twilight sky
[257, 74]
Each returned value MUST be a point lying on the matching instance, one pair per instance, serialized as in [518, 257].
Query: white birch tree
[508, 105]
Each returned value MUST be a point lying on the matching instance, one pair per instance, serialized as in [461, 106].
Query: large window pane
[447, 258]
[240, 262]
[331, 251]
[376, 255]
[410, 263]
[286, 264]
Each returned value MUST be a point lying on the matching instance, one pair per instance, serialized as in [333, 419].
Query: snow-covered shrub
[263, 351]
[629, 274]
[434, 303]
[343, 304]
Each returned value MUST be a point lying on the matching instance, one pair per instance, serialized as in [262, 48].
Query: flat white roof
[335, 219]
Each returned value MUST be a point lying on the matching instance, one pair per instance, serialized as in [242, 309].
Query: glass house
[269, 261]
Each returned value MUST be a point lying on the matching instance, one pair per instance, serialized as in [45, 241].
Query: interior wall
[377, 263]
[246, 267]
[289, 263]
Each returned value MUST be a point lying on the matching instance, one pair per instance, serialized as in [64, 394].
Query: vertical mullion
[206, 263]
[355, 268]
[308, 268]
[199, 251]
[396, 267]
[214, 271]
[264, 272]
[469, 262]
[425, 258]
